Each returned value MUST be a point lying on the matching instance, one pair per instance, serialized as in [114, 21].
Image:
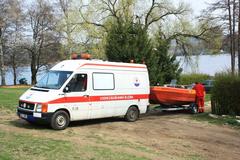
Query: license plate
[23, 116]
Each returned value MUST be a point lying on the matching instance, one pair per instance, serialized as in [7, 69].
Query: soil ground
[156, 135]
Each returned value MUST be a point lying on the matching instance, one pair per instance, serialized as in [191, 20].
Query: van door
[102, 95]
[77, 97]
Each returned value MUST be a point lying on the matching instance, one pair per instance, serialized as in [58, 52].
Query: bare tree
[116, 9]
[41, 19]
[68, 26]
[15, 36]
[159, 11]
[225, 11]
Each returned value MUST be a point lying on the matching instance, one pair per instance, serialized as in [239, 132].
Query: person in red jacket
[200, 94]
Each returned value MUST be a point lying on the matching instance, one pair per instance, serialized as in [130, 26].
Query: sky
[196, 5]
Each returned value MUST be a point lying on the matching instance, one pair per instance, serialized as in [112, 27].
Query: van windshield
[53, 79]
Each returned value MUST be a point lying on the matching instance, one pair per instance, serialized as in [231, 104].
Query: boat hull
[172, 96]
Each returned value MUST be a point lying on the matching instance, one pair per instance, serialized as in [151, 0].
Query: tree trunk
[33, 69]
[69, 38]
[14, 76]
[65, 9]
[234, 33]
[2, 68]
[69, 44]
[231, 38]
[14, 70]
[238, 37]
[34, 75]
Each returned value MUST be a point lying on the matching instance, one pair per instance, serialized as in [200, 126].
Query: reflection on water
[209, 64]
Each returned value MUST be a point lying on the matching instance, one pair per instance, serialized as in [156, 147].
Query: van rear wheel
[132, 114]
[60, 120]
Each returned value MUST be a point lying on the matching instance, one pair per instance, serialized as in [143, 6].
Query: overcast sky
[196, 5]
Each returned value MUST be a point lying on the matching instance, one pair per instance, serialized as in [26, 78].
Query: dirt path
[154, 136]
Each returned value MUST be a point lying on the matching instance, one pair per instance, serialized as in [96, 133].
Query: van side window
[78, 83]
[103, 81]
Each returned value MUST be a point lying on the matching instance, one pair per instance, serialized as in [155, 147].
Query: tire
[31, 122]
[60, 120]
[194, 108]
[132, 114]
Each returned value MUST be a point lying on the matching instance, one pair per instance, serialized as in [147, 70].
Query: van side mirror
[66, 89]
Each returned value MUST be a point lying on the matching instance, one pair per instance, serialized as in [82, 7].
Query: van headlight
[39, 108]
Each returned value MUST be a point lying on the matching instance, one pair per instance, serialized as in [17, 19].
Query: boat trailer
[173, 99]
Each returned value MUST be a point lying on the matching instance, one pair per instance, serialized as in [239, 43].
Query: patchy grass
[219, 121]
[18, 146]
[125, 144]
[94, 146]
[194, 157]
[101, 153]
[9, 97]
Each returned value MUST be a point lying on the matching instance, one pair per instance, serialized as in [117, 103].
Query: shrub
[225, 95]
[186, 79]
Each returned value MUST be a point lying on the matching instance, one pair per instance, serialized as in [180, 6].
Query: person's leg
[202, 104]
[198, 104]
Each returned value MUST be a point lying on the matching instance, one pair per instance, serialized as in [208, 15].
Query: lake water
[22, 72]
[208, 64]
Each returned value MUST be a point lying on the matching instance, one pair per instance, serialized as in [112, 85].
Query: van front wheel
[60, 120]
[132, 114]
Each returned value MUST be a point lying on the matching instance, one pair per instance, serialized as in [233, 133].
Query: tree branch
[91, 23]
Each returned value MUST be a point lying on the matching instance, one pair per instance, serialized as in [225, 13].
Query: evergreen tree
[167, 67]
[128, 41]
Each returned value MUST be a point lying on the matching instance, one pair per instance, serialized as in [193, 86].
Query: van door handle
[61, 94]
[86, 96]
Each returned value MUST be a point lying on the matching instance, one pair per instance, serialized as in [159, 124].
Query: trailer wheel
[60, 120]
[132, 114]
[194, 108]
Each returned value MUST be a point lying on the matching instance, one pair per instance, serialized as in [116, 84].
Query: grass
[218, 121]
[194, 157]
[208, 97]
[9, 97]
[122, 143]
[19, 146]
[101, 153]
[16, 146]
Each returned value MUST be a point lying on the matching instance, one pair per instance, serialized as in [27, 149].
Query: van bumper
[31, 116]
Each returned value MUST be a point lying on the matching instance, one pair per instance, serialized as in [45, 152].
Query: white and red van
[86, 89]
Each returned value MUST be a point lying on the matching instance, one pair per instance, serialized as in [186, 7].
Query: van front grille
[26, 105]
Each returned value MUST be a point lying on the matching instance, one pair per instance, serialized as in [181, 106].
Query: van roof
[74, 65]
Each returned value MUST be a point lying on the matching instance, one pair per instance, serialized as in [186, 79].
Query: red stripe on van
[99, 98]
[109, 65]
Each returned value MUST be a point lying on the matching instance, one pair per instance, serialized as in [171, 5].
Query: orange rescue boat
[172, 96]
